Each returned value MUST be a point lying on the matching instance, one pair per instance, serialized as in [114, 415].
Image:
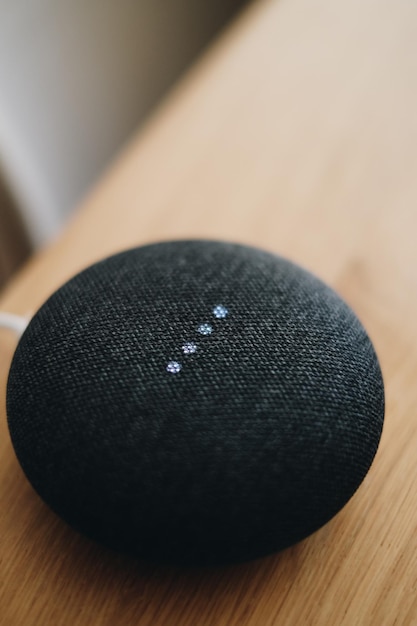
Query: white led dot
[220, 311]
[205, 329]
[189, 348]
[174, 367]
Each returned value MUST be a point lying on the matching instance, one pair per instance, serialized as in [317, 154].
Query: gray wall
[76, 79]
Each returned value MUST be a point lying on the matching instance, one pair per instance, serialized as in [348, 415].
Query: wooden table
[297, 132]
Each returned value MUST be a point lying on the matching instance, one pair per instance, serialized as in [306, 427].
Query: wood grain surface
[297, 132]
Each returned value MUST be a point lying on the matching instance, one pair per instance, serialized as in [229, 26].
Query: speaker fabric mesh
[238, 446]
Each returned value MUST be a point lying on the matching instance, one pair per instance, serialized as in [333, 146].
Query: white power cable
[13, 322]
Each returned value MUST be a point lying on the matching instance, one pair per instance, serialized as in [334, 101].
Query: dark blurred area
[14, 241]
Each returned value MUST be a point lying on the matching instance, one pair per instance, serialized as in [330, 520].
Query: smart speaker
[195, 402]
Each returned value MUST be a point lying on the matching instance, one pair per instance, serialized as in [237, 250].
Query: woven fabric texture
[242, 444]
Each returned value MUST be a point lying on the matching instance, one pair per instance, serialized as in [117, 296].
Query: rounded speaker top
[195, 402]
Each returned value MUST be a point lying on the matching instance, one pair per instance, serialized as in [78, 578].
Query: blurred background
[77, 78]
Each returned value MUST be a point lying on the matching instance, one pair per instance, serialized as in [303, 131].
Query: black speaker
[195, 402]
